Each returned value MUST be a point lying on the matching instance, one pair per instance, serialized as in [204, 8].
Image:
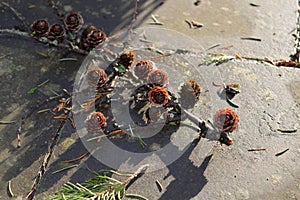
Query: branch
[139, 172]
[135, 12]
[15, 32]
[16, 13]
[28, 35]
[207, 130]
[47, 158]
[197, 121]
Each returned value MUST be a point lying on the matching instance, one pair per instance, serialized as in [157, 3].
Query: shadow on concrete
[189, 179]
[109, 15]
[93, 164]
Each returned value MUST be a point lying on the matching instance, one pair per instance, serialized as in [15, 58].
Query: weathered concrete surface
[269, 100]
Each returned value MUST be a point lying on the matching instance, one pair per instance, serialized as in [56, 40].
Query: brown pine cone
[158, 96]
[56, 32]
[96, 77]
[159, 77]
[226, 120]
[127, 58]
[73, 21]
[142, 69]
[95, 122]
[39, 28]
[93, 38]
[87, 31]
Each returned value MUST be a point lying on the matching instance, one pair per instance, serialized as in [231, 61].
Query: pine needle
[101, 187]
[136, 196]
[65, 168]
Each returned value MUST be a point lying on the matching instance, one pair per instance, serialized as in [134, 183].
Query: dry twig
[47, 157]
[282, 152]
[16, 13]
[257, 149]
[28, 35]
[78, 158]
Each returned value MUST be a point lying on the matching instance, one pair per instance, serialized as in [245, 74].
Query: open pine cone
[226, 120]
[96, 77]
[142, 69]
[159, 77]
[73, 21]
[40, 28]
[158, 96]
[95, 122]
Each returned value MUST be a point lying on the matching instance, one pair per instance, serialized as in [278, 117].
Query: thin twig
[44, 110]
[251, 38]
[34, 89]
[9, 190]
[15, 32]
[47, 157]
[19, 132]
[207, 130]
[16, 13]
[139, 172]
[67, 59]
[254, 5]
[135, 13]
[78, 158]
[28, 35]
[218, 84]
[282, 152]
[7, 122]
[159, 186]
[287, 130]
[189, 23]
[19, 137]
[257, 149]
[155, 21]
[196, 24]
[200, 123]
[65, 168]
[228, 100]
[213, 46]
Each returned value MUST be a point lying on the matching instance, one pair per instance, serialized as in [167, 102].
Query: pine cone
[96, 77]
[93, 38]
[142, 69]
[158, 77]
[73, 21]
[226, 120]
[56, 32]
[158, 96]
[127, 58]
[95, 122]
[39, 27]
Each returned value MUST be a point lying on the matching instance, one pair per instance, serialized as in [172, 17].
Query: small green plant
[217, 59]
[101, 187]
